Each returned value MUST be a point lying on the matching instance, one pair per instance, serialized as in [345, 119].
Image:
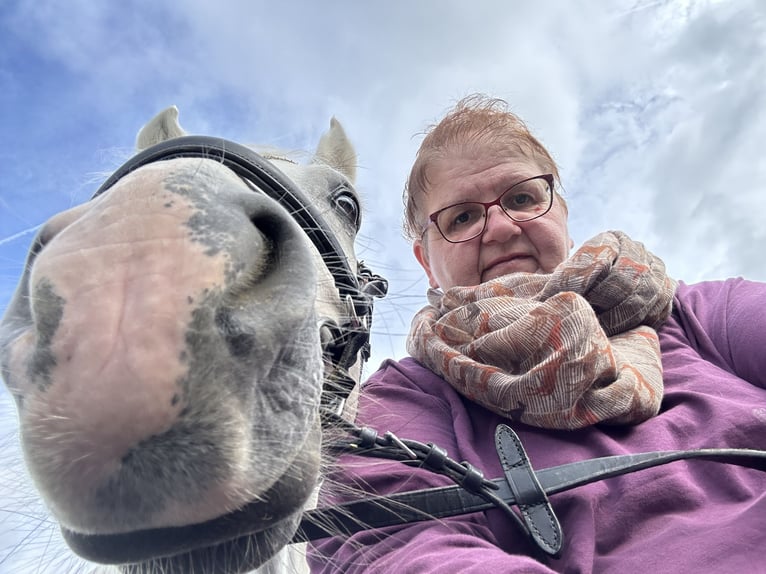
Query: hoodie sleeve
[725, 322]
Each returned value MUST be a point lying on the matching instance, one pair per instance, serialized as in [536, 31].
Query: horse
[168, 345]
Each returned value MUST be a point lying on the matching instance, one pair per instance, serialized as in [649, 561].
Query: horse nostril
[51, 228]
[239, 342]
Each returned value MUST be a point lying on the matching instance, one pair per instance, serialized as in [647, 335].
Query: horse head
[168, 345]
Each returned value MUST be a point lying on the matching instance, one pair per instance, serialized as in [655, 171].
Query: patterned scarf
[564, 350]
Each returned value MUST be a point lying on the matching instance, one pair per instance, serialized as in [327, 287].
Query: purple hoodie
[687, 516]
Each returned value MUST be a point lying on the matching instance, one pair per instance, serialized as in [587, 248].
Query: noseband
[357, 288]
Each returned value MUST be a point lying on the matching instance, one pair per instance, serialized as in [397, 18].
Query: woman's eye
[521, 199]
[461, 219]
[345, 202]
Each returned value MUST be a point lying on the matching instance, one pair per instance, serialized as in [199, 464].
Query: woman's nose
[499, 226]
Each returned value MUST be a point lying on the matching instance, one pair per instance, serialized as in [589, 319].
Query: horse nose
[178, 285]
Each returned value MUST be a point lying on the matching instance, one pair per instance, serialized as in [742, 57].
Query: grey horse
[166, 349]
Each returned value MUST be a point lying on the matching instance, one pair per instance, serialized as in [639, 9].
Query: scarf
[563, 350]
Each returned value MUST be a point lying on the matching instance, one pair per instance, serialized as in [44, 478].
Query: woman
[585, 355]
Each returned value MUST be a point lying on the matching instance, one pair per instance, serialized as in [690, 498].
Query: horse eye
[345, 202]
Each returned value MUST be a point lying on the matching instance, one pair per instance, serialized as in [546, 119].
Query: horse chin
[235, 542]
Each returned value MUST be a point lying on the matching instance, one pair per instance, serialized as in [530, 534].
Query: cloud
[638, 102]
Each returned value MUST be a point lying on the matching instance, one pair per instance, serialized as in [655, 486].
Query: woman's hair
[475, 121]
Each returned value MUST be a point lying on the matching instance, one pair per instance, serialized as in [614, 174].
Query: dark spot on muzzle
[49, 310]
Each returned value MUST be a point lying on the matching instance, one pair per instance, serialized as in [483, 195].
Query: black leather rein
[521, 486]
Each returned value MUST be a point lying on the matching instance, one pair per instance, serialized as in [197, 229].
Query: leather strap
[442, 502]
[536, 511]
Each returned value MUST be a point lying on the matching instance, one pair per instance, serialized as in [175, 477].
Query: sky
[655, 112]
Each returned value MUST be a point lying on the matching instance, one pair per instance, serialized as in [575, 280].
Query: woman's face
[506, 246]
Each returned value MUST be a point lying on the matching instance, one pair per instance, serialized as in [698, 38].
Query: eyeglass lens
[524, 201]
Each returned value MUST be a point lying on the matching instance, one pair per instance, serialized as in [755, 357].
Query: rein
[521, 486]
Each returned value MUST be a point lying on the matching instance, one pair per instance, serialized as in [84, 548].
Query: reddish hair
[475, 121]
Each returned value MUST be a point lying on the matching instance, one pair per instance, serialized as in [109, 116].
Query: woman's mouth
[507, 265]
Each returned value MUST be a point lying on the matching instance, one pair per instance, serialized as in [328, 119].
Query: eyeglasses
[523, 201]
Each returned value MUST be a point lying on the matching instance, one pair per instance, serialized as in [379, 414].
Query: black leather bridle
[521, 486]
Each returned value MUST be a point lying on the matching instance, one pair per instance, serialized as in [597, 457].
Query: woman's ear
[421, 254]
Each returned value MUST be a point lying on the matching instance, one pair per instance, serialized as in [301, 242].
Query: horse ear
[161, 127]
[336, 150]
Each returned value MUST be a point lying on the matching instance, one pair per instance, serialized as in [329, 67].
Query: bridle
[521, 486]
[357, 289]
